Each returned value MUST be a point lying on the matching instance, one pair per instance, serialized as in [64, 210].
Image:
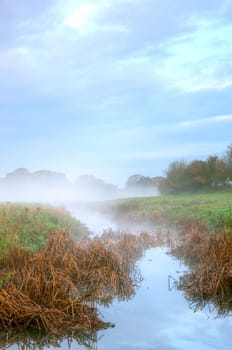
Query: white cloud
[199, 60]
[209, 120]
[177, 151]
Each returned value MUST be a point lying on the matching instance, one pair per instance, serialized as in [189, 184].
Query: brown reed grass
[58, 288]
[209, 281]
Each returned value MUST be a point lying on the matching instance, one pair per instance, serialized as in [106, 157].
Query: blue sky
[113, 88]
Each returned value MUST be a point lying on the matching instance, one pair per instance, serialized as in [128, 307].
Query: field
[214, 209]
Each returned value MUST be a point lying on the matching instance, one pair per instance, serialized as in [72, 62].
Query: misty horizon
[49, 186]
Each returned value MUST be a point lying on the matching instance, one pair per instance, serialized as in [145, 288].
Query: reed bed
[59, 287]
[188, 241]
[209, 281]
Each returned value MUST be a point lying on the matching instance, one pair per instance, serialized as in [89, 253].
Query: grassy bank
[29, 226]
[214, 209]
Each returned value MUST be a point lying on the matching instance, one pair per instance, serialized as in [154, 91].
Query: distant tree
[228, 156]
[197, 174]
[138, 181]
[228, 163]
[89, 181]
[156, 180]
[40, 177]
[177, 179]
[49, 178]
[163, 186]
[211, 170]
[19, 173]
[222, 173]
[139, 185]
[22, 185]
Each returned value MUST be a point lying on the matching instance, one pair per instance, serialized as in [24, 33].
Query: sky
[113, 88]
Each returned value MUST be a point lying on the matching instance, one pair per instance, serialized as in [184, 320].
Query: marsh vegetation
[54, 285]
[55, 276]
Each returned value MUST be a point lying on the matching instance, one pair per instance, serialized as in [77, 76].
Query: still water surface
[156, 318]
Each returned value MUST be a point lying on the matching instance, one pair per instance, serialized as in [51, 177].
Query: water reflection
[37, 341]
[161, 319]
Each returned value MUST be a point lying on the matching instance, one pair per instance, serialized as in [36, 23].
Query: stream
[158, 316]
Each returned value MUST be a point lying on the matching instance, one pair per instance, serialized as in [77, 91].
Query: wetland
[134, 290]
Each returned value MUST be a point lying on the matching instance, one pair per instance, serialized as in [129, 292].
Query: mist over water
[51, 187]
[95, 221]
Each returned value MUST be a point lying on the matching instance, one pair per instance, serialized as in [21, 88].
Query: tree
[138, 181]
[197, 174]
[20, 173]
[228, 157]
[177, 179]
[211, 170]
[139, 185]
[228, 163]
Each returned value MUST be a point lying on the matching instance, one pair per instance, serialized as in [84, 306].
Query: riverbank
[28, 226]
[211, 209]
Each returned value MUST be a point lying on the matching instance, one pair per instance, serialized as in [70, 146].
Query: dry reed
[59, 287]
[209, 281]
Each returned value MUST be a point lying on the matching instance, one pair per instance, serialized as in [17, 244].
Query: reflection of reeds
[210, 279]
[28, 340]
[57, 288]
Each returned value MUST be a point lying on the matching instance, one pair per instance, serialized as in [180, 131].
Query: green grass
[29, 226]
[215, 209]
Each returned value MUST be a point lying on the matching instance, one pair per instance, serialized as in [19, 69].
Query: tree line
[199, 175]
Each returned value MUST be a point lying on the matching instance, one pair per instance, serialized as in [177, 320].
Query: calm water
[156, 318]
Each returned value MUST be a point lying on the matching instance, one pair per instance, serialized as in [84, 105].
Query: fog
[53, 195]
[51, 187]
